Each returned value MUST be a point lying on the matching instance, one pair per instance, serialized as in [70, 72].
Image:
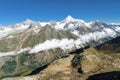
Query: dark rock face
[36, 71]
[76, 60]
[106, 76]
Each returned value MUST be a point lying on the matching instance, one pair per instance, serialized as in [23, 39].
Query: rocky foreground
[79, 67]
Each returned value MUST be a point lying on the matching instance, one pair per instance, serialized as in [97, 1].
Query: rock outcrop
[92, 61]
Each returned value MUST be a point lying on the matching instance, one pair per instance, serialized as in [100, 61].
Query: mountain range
[30, 44]
[66, 34]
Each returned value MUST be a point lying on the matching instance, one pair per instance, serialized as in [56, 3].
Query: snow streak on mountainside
[94, 33]
[114, 23]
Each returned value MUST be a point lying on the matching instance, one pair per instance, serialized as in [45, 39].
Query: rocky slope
[79, 67]
[58, 70]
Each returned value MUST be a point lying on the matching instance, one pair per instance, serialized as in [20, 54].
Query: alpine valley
[71, 49]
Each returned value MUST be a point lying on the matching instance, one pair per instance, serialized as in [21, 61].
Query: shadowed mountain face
[47, 33]
[30, 38]
[112, 46]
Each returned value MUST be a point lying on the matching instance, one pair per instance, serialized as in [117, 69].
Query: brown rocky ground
[78, 67]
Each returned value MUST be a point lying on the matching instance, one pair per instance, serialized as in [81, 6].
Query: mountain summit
[69, 18]
[28, 21]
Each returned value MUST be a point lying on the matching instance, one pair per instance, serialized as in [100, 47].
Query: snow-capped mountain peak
[71, 23]
[28, 21]
[69, 18]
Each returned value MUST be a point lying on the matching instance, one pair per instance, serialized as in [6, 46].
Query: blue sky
[13, 11]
